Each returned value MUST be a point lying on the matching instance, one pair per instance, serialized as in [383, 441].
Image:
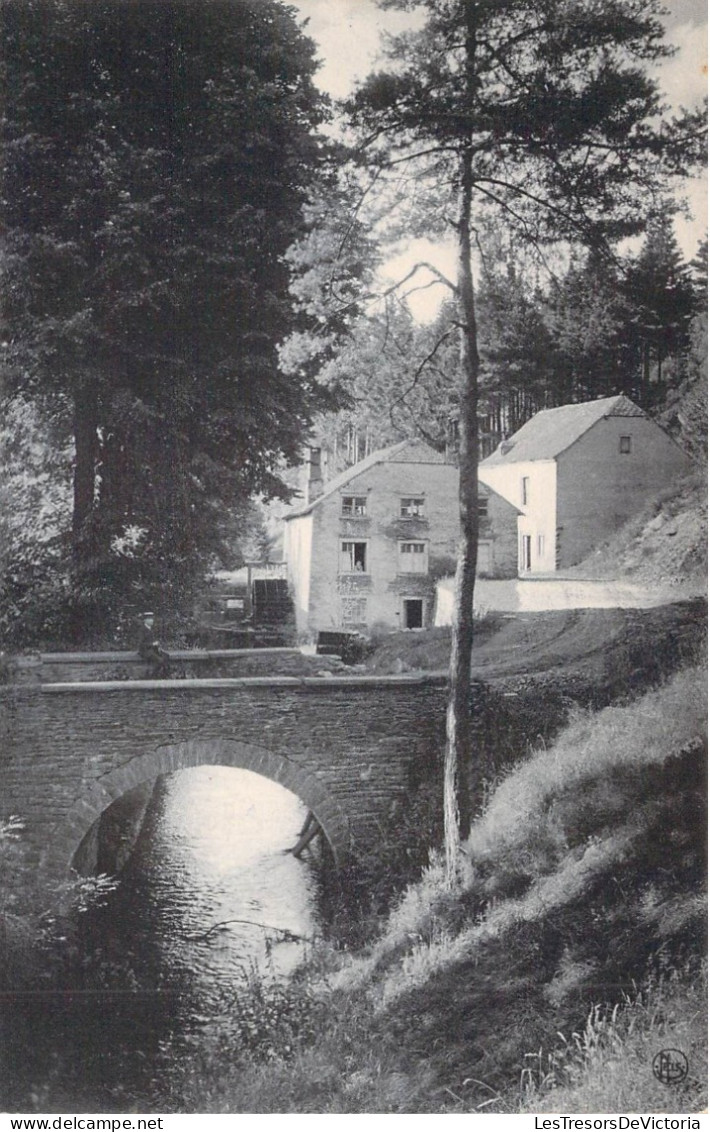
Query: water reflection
[210, 895]
[163, 969]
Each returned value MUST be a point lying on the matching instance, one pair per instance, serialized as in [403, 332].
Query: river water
[211, 897]
[210, 907]
[211, 894]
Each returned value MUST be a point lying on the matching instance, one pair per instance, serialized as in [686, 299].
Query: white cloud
[347, 33]
[684, 81]
[684, 78]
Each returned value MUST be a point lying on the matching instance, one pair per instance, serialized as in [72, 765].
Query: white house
[369, 545]
[577, 473]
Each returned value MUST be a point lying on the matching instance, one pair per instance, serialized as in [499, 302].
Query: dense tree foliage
[157, 157]
[399, 379]
[660, 302]
[545, 338]
[332, 269]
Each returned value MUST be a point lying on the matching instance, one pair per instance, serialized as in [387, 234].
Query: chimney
[315, 475]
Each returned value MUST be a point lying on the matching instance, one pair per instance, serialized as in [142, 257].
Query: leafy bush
[271, 1020]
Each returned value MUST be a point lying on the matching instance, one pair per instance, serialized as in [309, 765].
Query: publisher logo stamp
[670, 1066]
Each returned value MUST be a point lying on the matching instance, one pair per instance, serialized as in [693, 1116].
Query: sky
[347, 34]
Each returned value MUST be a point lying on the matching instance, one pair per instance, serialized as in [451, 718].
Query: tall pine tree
[661, 302]
[544, 111]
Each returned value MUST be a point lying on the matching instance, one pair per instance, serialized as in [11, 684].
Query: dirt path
[596, 645]
[589, 640]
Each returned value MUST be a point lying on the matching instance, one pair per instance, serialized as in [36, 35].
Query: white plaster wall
[539, 515]
[298, 542]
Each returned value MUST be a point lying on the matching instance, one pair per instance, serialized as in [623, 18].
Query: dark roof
[552, 431]
[404, 452]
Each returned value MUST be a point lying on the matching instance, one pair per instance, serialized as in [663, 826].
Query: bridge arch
[276, 766]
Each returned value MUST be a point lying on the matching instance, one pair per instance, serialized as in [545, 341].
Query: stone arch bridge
[352, 748]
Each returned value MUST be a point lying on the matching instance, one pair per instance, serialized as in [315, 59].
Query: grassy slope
[604, 1067]
[600, 646]
[584, 880]
[666, 543]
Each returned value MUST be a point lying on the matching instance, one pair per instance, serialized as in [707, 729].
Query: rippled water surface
[171, 954]
[210, 891]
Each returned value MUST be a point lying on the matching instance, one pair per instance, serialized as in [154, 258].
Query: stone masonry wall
[350, 748]
[47, 668]
[382, 528]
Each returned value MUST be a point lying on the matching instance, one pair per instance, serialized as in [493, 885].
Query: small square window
[411, 507]
[353, 557]
[354, 505]
[624, 445]
[413, 558]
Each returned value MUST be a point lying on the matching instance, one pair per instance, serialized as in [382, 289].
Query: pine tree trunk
[458, 757]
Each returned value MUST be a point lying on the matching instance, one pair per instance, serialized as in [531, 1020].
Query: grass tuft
[608, 1065]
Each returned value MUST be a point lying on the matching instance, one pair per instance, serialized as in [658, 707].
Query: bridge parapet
[352, 747]
[185, 664]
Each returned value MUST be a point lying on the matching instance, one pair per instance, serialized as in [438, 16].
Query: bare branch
[423, 153]
[286, 934]
[423, 287]
[429, 267]
[418, 372]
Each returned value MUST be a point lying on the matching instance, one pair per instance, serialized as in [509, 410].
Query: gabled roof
[551, 431]
[404, 452]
